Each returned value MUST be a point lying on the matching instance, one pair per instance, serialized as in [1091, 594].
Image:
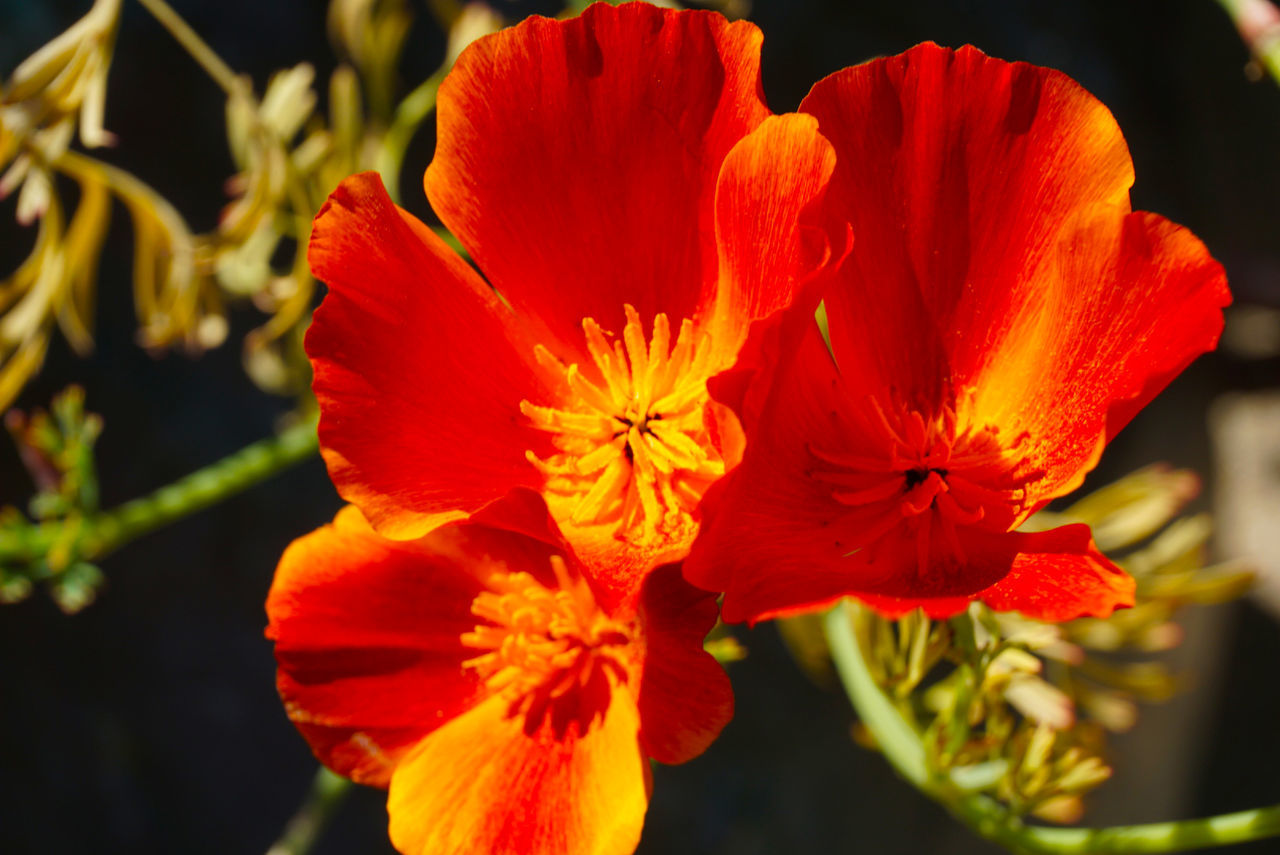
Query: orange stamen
[633, 448]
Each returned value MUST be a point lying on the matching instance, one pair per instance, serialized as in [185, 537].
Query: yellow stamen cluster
[634, 449]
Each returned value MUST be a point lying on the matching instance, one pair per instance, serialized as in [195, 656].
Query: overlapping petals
[619, 183]
[474, 672]
[1002, 313]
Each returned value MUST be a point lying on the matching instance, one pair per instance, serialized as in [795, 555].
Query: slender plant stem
[199, 50]
[900, 742]
[1259, 24]
[409, 116]
[323, 798]
[91, 538]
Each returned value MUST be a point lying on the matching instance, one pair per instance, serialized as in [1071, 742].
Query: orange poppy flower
[1001, 314]
[619, 182]
[475, 673]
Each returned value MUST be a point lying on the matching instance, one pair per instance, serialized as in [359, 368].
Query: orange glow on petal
[481, 786]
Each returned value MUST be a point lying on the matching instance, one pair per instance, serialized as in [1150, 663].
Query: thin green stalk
[900, 742]
[91, 538]
[199, 50]
[1258, 22]
[410, 115]
[325, 795]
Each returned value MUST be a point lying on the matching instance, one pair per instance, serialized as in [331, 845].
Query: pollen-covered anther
[633, 449]
[542, 643]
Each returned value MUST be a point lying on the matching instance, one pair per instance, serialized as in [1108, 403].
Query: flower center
[633, 447]
[551, 651]
[927, 473]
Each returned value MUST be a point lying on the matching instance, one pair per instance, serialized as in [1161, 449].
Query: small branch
[91, 538]
[900, 742]
[326, 794]
[200, 51]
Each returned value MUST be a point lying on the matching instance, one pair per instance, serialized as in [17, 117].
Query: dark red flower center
[552, 651]
[928, 474]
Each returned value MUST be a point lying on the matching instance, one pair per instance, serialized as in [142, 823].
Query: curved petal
[764, 522]
[367, 640]
[419, 369]
[957, 171]
[1057, 575]
[767, 247]
[685, 698]
[577, 159]
[480, 786]
[1126, 304]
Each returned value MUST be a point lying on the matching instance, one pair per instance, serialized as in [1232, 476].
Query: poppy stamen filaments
[633, 446]
[546, 646]
[929, 474]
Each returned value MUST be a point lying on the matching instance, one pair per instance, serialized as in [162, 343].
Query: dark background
[149, 722]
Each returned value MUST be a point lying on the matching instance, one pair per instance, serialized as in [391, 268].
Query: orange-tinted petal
[367, 640]
[767, 248]
[577, 160]
[1126, 304]
[419, 369]
[480, 786]
[685, 698]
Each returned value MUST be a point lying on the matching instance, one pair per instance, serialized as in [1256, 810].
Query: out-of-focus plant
[288, 158]
[998, 716]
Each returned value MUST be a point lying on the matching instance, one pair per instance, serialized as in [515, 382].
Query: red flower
[611, 172]
[474, 672]
[1001, 315]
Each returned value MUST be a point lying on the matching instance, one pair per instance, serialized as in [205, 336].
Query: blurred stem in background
[900, 740]
[327, 792]
[1259, 24]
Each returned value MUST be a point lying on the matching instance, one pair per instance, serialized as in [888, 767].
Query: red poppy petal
[419, 369]
[1058, 575]
[766, 249]
[480, 786]
[769, 512]
[998, 193]
[957, 171]
[1129, 303]
[577, 159]
[685, 697]
[367, 639]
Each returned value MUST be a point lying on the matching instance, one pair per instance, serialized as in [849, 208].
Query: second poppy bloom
[476, 674]
[619, 181]
[1001, 315]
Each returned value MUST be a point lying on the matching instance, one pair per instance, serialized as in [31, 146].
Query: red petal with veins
[419, 369]
[577, 160]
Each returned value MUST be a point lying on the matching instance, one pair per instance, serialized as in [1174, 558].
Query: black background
[149, 722]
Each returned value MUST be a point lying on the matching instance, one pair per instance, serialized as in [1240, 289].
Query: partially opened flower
[617, 179]
[475, 673]
[1001, 315]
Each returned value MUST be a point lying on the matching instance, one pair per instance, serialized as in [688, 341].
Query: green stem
[900, 742]
[199, 50]
[1258, 22]
[410, 115]
[326, 794]
[91, 538]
